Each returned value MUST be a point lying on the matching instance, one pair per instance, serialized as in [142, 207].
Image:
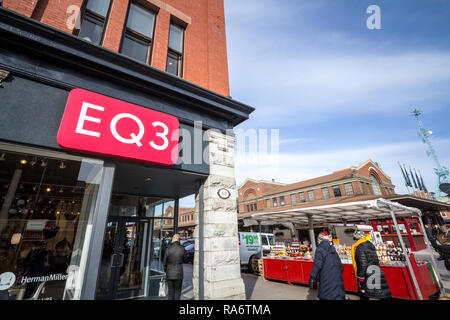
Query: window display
[46, 207]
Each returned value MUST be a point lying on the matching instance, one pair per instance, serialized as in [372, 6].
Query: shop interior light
[61, 190]
[148, 179]
[43, 163]
[3, 157]
[48, 189]
[62, 165]
[34, 187]
[23, 161]
[15, 239]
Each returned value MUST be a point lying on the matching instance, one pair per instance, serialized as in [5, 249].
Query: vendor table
[297, 270]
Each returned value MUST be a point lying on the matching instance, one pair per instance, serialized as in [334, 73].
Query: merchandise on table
[293, 250]
[344, 252]
[389, 254]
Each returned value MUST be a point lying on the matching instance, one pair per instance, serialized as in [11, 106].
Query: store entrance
[137, 232]
[122, 266]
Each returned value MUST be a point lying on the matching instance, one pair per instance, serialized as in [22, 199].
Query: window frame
[313, 198]
[327, 196]
[84, 11]
[340, 192]
[177, 54]
[293, 199]
[138, 36]
[302, 199]
[274, 202]
[282, 201]
[346, 189]
[376, 183]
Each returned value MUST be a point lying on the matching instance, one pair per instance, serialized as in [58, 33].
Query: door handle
[122, 257]
[117, 260]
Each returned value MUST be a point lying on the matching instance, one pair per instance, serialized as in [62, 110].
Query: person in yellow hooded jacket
[371, 280]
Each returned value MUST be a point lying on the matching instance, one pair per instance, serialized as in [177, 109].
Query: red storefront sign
[97, 124]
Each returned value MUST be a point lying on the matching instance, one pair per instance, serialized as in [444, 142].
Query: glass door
[123, 262]
[138, 231]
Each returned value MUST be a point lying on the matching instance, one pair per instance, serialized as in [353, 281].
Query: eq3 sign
[97, 124]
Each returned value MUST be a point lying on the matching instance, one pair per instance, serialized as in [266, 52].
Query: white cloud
[300, 89]
[294, 167]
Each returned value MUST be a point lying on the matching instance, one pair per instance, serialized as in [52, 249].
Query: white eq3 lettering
[134, 138]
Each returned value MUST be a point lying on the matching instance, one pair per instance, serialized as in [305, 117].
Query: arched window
[375, 185]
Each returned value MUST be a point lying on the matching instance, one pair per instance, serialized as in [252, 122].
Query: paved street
[258, 289]
[444, 274]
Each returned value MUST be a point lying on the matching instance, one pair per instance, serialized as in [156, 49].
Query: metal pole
[312, 238]
[175, 216]
[201, 267]
[261, 249]
[406, 254]
[433, 261]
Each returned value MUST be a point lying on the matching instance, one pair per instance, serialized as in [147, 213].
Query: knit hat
[323, 236]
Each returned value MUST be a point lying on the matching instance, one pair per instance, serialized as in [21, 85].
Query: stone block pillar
[221, 272]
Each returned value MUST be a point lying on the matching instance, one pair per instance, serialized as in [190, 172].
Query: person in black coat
[173, 266]
[327, 270]
[371, 280]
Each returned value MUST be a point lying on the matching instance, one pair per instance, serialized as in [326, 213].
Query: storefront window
[135, 240]
[47, 205]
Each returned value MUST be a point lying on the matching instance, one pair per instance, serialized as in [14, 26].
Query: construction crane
[442, 173]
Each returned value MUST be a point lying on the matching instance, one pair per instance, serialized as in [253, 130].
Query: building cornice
[57, 45]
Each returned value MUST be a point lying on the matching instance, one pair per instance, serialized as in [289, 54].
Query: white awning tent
[345, 212]
[335, 213]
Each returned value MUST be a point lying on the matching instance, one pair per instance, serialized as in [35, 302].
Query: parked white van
[249, 247]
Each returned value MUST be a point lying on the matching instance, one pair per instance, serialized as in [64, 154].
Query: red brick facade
[275, 196]
[205, 54]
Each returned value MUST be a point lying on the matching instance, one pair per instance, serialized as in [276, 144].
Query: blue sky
[338, 92]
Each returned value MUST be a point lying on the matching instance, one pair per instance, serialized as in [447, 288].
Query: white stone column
[222, 272]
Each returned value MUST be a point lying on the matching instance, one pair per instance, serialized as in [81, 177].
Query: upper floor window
[256, 208]
[293, 199]
[363, 188]
[94, 21]
[248, 208]
[302, 197]
[375, 185]
[268, 203]
[275, 203]
[175, 51]
[337, 191]
[348, 189]
[369, 191]
[326, 193]
[311, 195]
[138, 35]
[282, 202]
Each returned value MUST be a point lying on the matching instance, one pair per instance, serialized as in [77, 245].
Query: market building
[111, 112]
[366, 181]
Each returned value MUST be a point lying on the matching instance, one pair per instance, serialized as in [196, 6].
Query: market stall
[407, 277]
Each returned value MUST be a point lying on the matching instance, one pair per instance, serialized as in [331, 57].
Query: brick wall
[205, 53]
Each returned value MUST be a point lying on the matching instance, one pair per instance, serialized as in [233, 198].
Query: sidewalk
[443, 273]
[256, 288]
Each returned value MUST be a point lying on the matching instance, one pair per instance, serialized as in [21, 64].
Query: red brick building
[185, 38]
[365, 181]
[139, 59]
